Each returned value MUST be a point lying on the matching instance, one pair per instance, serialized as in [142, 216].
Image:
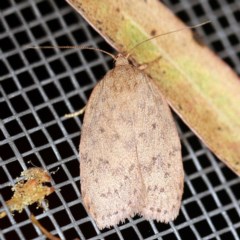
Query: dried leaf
[29, 190]
[202, 89]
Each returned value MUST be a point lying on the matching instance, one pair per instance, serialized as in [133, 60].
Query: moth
[130, 152]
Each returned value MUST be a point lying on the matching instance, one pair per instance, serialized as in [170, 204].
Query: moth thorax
[121, 60]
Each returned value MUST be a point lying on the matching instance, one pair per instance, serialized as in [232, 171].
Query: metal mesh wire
[37, 87]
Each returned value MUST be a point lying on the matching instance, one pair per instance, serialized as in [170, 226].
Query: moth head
[121, 59]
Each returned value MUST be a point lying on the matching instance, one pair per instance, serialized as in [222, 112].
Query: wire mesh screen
[37, 87]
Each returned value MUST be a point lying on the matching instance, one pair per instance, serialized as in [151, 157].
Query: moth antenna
[74, 47]
[162, 34]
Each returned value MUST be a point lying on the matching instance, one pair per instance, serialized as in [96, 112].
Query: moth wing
[111, 181]
[159, 154]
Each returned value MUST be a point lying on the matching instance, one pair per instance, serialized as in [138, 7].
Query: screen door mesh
[37, 87]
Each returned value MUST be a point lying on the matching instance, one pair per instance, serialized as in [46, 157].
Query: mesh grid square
[37, 87]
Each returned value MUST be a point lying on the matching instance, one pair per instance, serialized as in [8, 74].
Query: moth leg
[145, 65]
[75, 114]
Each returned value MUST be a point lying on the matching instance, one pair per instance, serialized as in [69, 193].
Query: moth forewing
[130, 150]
